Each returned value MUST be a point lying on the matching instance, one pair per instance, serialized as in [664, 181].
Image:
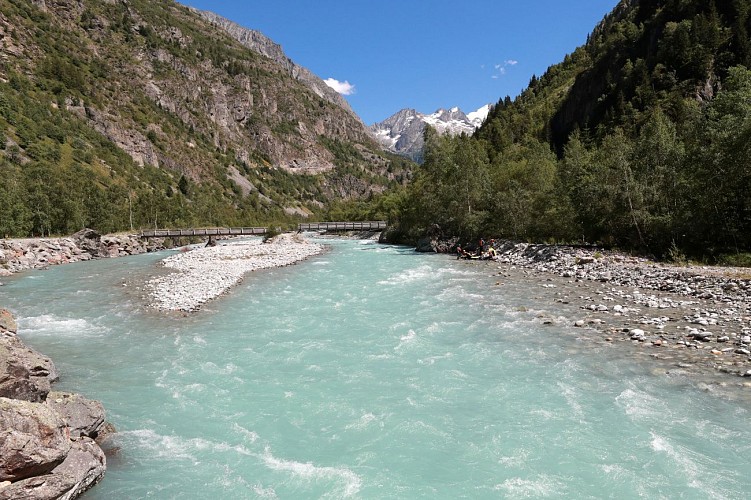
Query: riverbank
[692, 320]
[18, 255]
[49, 441]
[202, 274]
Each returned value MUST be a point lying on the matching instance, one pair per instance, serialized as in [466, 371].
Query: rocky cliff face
[402, 133]
[258, 42]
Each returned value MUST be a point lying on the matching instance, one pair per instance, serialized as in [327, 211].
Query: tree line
[667, 188]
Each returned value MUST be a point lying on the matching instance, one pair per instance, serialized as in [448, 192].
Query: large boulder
[84, 417]
[82, 468]
[435, 241]
[33, 439]
[24, 373]
[89, 241]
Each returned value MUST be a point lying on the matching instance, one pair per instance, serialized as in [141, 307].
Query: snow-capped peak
[477, 117]
[403, 131]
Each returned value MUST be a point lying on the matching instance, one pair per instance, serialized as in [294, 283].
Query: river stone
[24, 373]
[82, 468]
[85, 417]
[636, 333]
[33, 439]
[7, 321]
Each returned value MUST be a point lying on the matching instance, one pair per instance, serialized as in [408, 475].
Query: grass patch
[735, 260]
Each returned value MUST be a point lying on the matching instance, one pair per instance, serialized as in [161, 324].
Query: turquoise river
[372, 372]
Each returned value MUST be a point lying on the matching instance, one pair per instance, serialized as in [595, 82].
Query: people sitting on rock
[462, 254]
[478, 253]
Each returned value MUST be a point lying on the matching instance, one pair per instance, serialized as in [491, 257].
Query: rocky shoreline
[690, 320]
[49, 440]
[202, 274]
[18, 255]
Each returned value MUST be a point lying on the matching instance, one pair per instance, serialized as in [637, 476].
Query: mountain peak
[403, 131]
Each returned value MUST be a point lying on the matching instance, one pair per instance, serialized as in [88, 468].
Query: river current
[371, 372]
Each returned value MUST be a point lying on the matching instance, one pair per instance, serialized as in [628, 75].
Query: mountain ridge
[402, 132]
[258, 42]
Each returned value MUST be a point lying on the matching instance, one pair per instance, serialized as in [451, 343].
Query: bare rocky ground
[692, 321]
[203, 274]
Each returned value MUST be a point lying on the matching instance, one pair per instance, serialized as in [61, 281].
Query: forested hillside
[641, 139]
[140, 113]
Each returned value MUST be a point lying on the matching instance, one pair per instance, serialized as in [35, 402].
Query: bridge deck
[213, 231]
[343, 226]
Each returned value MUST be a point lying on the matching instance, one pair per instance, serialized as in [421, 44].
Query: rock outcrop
[33, 441]
[47, 447]
[258, 42]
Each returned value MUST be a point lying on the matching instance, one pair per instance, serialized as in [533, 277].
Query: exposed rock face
[7, 321]
[434, 241]
[83, 416]
[33, 440]
[132, 141]
[258, 42]
[47, 447]
[188, 93]
[82, 468]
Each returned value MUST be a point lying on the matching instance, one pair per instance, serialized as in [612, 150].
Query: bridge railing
[212, 231]
[343, 226]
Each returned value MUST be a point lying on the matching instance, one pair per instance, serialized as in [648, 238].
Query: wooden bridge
[376, 225]
[210, 232]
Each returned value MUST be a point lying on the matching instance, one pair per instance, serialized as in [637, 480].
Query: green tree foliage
[722, 180]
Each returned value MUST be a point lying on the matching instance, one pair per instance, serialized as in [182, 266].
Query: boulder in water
[24, 373]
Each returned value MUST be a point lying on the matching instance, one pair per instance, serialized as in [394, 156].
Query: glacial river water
[372, 372]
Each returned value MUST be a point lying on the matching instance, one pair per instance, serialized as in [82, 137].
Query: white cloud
[502, 68]
[344, 88]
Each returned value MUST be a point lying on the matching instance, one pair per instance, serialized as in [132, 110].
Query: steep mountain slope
[644, 54]
[402, 133]
[639, 138]
[164, 118]
[258, 42]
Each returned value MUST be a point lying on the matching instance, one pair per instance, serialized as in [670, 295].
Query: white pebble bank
[206, 273]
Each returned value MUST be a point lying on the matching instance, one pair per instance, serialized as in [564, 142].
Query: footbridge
[209, 232]
[375, 225]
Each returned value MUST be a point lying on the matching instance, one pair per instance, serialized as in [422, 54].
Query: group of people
[482, 252]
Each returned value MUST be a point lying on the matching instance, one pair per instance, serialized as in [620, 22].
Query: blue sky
[422, 54]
